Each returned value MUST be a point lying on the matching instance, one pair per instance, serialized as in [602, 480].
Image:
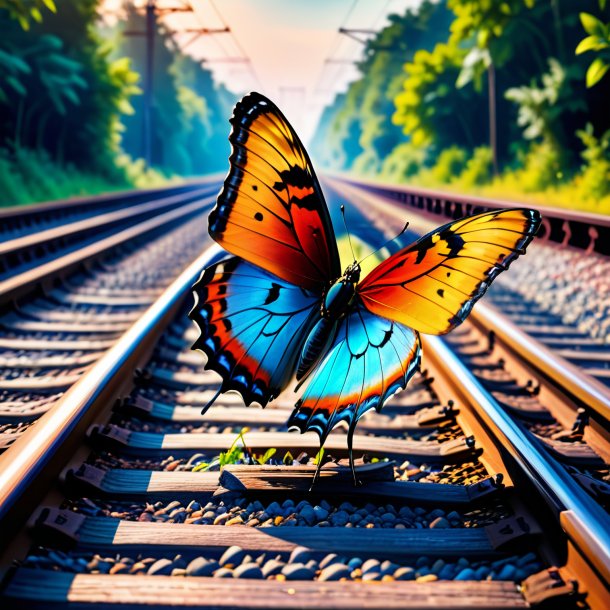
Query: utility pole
[149, 33]
[148, 82]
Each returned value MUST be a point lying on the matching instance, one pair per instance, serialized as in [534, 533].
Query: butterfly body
[280, 307]
[336, 302]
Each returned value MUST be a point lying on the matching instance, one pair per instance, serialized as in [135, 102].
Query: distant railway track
[82, 275]
[479, 491]
[566, 319]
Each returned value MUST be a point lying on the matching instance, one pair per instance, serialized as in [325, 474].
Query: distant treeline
[71, 100]
[508, 97]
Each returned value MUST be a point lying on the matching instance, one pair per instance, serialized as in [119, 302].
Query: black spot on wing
[440, 292]
[258, 216]
[297, 176]
[455, 243]
[274, 293]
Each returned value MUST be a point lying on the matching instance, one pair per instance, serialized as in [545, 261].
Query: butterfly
[281, 307]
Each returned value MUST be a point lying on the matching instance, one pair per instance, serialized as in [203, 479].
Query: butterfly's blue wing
[252, 325]
[369, 360]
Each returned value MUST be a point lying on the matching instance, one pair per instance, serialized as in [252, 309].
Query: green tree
[26, 10]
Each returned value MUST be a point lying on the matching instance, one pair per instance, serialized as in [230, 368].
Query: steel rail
[20, 284]
[581, 518]
[22, 466]
[107, 219]
[586, 389]
[44, 209]
[581, 230]
[570, 378]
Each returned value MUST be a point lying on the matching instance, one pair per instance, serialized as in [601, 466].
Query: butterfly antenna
[349, 237]
[386, 243]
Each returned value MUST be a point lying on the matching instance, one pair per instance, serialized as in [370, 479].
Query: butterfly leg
[350, 442]
[317, 473]
[211, 401]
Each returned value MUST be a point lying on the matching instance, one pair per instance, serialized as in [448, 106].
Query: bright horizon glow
[287, 43]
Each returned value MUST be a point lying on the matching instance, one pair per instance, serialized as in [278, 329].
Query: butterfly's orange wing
[271, 210]
[433, 284]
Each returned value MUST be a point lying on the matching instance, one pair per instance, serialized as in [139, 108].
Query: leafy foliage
[525, 61]
[598, 40]
[26, 10]
[595, 178]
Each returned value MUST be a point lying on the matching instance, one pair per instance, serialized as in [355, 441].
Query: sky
[289, 50]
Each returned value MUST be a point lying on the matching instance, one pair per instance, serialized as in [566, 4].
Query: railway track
[480, 492]
[71, 287]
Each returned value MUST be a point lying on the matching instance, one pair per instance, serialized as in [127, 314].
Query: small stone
[326, 561]
[119, 568]
[406, 512]
[339, 518]
[422, 561]
[193, 505]
[439, 523]
[137, 567]
[300, 554]
[447, 572]
[201, 567]
[405, 573]
[320, 513]
[252, 522]
[220, 520]
[437, 512]
[466, 574]
[272, 567]
[233, 555]
[178, 572]
[506, 573]
[297, 571]
[223, 573]
[427, 578]
[437, 566]
[354, 562]
[273, 509]
[235, 521]
[372, 575]
[347, 507]
[325, 505]
[454, 516]
[308, 514]
[387, 567]
[370, 564]
[278, 520]
[336, 571]
[248, 570]
[161, 566]
[209, 514]
[388, 518]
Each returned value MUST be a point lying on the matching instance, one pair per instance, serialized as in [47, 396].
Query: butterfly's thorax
[337, 301]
